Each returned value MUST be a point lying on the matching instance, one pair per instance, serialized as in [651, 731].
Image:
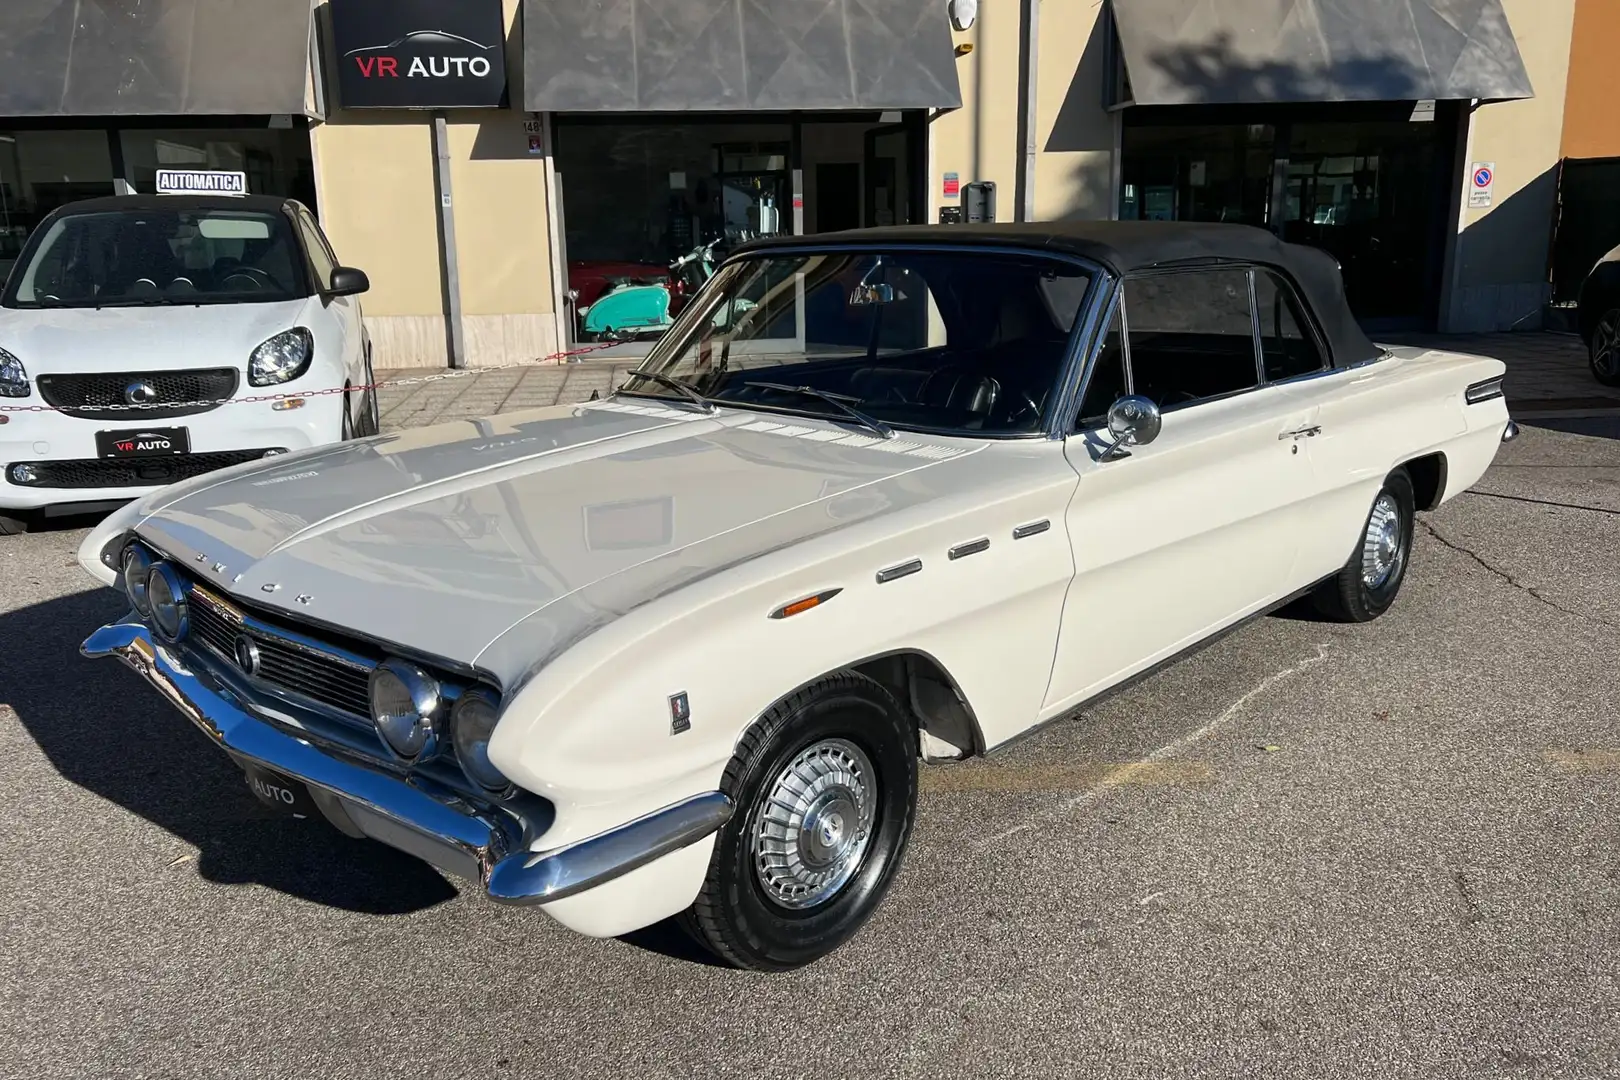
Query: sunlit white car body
[597, 561]
[162, 341]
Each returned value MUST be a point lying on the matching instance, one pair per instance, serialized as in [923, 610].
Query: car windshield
[162, 256]
[945, 341]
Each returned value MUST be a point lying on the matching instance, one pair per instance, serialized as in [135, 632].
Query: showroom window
[277, 161]
[41, 170]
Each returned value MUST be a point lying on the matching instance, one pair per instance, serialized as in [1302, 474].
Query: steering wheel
[1023, 405]
[257, 278]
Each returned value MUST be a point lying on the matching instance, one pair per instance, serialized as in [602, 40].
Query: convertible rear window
[948, 341]
[142, 256]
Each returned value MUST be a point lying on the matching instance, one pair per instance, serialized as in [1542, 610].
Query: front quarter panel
[592, 730]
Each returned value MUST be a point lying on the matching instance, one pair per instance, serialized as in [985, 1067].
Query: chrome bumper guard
[456, 836]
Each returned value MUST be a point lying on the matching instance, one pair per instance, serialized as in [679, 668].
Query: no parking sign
[1482, 183]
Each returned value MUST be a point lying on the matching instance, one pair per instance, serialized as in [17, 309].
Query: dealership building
[489, 162]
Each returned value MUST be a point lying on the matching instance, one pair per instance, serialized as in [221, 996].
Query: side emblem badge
[247, 655]
[680, 713]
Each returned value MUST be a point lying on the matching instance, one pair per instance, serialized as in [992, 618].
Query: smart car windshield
[160, 256]
[945, 341]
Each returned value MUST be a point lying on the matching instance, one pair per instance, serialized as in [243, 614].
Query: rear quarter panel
[1380, 416]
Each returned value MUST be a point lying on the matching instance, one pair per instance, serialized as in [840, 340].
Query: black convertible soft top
[1125, 247]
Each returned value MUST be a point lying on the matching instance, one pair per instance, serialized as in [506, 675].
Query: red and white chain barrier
[460, 373]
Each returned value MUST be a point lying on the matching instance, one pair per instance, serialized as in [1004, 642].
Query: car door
[1198, 528]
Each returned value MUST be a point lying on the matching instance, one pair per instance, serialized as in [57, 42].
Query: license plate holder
[143, 443]
[279, 792]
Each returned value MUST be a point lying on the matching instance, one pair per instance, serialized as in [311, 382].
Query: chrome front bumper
[482, 843]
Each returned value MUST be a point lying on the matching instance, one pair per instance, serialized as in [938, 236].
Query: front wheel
[825, 787]
[12, 526]
[1604, 348]
[1367, 585]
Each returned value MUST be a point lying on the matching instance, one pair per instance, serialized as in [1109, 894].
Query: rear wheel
[825, 786]
[1367, 585]
[1604, 348]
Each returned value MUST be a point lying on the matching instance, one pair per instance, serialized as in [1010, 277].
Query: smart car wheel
[825, 787]
[1604, 348]
[10, 526]
[1367, 585]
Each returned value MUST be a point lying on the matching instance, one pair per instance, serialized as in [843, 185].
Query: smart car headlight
[13, 376]
[281, 359]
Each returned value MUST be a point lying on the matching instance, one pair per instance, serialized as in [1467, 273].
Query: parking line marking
[1124, 776]
[1587, 761]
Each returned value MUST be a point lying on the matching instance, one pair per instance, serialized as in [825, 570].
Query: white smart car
[149, 339]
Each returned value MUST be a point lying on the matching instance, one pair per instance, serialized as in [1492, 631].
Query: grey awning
[1187, 52]
[682, 55]
[153, 58]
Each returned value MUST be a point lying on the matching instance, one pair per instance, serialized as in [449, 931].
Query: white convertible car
[877, 498]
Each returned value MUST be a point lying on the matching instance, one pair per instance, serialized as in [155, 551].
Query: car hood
[62, 340]
[440, 539]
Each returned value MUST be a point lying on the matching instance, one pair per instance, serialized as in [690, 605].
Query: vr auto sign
[420, 54]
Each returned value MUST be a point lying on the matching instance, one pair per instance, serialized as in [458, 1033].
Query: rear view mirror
[871, 294]
[347, 281]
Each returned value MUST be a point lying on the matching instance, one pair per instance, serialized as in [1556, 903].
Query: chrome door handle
[1303, 433]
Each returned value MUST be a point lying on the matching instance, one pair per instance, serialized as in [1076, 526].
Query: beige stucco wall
[377, 199]
[1074, 134]
[1499, 278]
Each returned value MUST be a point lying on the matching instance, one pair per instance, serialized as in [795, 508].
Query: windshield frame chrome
[1078, 348]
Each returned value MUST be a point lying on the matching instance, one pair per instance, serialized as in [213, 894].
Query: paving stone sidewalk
[1547, 373]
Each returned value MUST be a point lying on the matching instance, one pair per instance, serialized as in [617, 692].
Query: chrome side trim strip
[545, 876]
[972, 547]
[894, 573]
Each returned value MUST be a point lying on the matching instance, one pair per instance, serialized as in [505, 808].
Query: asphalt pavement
[1308, 851]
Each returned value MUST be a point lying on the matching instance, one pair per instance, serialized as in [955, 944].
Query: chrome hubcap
[1381, 552]
[813, 824]
[1605, 355]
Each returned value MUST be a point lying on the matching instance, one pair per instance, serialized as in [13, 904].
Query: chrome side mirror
[1132, 421]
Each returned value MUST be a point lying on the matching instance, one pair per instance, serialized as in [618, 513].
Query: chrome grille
[286, 662]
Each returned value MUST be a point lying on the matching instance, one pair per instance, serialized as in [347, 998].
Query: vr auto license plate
[143, 442]
[275, 790]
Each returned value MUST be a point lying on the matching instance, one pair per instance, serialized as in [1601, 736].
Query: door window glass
[1286, 347]
[1191, 335]
[1107, 383]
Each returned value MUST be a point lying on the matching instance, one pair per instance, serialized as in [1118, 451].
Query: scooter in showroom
[632, 311]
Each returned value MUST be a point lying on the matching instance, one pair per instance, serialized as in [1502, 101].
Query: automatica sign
[420, 54]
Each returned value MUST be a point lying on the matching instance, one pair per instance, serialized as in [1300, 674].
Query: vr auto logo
[146, 440]
[140, 393]
[273, 792]
[374, 62]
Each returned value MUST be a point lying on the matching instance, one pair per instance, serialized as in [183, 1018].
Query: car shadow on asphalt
[110, 733]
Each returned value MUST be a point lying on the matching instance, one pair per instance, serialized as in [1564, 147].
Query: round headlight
[167, 599]
[473, 722]
[137, 565]
[404, 704]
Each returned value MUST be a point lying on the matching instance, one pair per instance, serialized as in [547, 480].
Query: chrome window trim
[1059, 399]
[1323, 353]
[1112, 302]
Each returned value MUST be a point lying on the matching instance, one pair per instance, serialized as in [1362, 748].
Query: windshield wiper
[841, 402]
[680, 386]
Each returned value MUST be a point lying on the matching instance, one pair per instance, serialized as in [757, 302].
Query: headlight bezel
[419, 726]
[136, 578]
[20, 386]
[462, 718]
[297, 337]
[166, 575]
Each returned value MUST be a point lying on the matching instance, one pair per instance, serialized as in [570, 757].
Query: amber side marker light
[800, 606]
[288, 403]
